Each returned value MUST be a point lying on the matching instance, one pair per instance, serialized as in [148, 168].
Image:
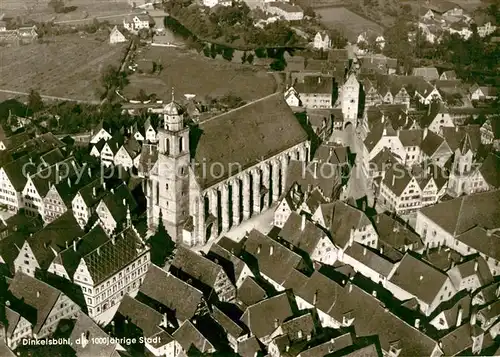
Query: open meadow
[192, 73]
[66, 66]
[39, 10]
[347, 21]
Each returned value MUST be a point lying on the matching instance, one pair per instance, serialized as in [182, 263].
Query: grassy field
[38, 10]
[191, 73]
[347, 21]
[68, 66]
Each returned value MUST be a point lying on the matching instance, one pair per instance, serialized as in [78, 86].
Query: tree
[57, 5]
[278, 64]
[227, 53]
[35, 103]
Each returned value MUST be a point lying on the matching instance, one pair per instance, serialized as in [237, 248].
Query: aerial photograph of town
[249, 178]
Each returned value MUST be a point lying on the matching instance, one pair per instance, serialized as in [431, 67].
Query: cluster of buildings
[441, 17]
[19, 36]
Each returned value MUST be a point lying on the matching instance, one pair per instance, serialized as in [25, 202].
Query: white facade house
[287, 11]
[350, 99]
[102, 134]
[322, 41]
[104, 285]
[212, 3]
[292, 97]
[136, 23]
[116, 36]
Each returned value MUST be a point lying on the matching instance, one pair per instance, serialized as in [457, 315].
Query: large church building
[212, 176]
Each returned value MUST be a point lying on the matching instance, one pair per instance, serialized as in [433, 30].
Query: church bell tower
[168, 197]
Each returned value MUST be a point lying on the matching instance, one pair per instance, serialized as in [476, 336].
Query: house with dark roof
[305, 236]
[470, 274]
[264, 317]
[84, 332]
[428, 73]
[40, 248]
[87, 198]
[128, 155]
[314, 91]
[37, 307]
[192, 340]
[486, 294]
[467, 224]
[290, 202]
[249, 293]
[110, 148]
[169, 294]
[345, 224]
[275, 262]
[414, 278]
[490, 132]
[199, 270]
[452, 313]
[229, 320]
[39, 184]
[227, 254]
[434, 148]
[115, 208]
[462, 339]
[60, 195]
[487, 176]
[13, 179]
[152, 325]
[102, 132]
[400, 191]
[111, 270]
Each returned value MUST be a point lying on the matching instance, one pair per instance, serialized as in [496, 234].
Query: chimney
[66, 242]
[473, 318]
[94, 193]
[124, 200]
[426, 131]
[384, 133]
[37, 294]
[315, 171]
[429, 109]
[104, 185]
[303, 224]
[364, 251]
[374, 293]
[74, 245]
[456, 129]
[381, 250]
[276, 323]
[69, 182]
[319, 80]
[315, 298]
[476, 264]
[271, 250]
[393, 179]
[350, 287]
[459, 316]
[258, 249]
[421, 278]
[417, 323]
[150, 150]
[98, 251]
[377, 219]
[287, 348]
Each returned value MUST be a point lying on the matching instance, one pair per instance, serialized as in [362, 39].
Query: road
[92, 18]
[49, 97]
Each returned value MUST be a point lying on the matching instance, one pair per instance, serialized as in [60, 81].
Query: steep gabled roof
[262, 317]
[113, 255]
[306, 238]
[196, 266]
[418, 278]
[252, 131]
[172, 292]
[36, 294]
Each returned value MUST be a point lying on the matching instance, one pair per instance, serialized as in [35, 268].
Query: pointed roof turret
[172, 108]
[465, 144]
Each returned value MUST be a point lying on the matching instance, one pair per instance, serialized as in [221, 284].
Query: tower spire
[173, 94]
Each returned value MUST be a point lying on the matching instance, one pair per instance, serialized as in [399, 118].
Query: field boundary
[322, 7]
